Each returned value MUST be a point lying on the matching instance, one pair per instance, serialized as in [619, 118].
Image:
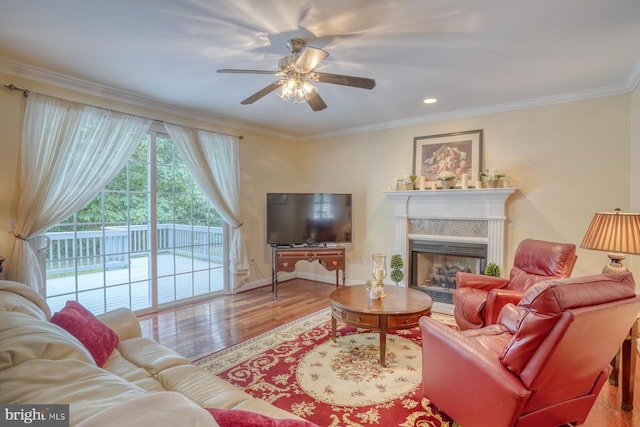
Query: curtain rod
[14, 88]
[26, 92]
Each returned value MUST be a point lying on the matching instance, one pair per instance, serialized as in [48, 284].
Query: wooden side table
[627, 355]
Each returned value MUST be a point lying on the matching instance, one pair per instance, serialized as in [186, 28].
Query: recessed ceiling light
[430, 100]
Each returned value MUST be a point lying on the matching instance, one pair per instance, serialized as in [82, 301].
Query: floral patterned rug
[297, 367]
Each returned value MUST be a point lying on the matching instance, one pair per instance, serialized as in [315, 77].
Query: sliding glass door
[150, 239]
[190, 233]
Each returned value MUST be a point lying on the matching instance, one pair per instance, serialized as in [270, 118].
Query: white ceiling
[473, 55]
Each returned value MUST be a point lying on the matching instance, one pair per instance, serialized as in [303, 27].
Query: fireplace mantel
[486, 204]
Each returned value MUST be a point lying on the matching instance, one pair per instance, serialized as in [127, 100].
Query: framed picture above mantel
[457, 152]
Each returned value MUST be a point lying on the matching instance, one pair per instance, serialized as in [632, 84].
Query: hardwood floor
[199, 329]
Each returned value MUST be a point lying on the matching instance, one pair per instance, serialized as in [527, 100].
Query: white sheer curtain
[212, 159]
[70, 152]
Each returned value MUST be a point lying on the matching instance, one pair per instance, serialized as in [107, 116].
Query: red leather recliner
[542, 364]
[478, 299]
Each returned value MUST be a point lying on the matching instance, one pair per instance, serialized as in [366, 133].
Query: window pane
[138, 177]
[164, 179]
[139, 207]
[115, 207]
[141, 295]
[164, 210]
[90, 214]
[119, 182]
[164, 151]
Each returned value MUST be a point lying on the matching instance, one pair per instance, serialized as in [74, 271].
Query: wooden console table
[285, 259]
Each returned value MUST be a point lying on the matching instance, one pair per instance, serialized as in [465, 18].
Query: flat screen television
[308, 218]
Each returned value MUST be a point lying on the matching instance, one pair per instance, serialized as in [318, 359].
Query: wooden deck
[118, 293]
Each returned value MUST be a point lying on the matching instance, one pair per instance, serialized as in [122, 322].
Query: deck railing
[111, 247]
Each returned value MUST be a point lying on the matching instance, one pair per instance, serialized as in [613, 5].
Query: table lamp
[615, 232]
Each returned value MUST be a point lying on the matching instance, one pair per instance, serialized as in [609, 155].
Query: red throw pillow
[98, 338]
[240, 418]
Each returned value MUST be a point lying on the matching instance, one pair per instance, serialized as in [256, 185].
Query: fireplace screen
[434, 266]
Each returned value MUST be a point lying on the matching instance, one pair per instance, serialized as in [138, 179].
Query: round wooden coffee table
[400, 309]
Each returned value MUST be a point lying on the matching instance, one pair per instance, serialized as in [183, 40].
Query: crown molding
[634, 77]
[114, 94]
[488, 109]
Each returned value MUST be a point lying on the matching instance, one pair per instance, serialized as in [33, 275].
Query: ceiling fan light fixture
[298, 89]
[297, 76]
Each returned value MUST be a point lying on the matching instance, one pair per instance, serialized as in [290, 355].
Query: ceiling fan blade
[339, 79]
[229, 70]
[262, 92]
[310, 58]
[316, 103]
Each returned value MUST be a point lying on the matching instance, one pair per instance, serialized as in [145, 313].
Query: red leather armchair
[478, 299]
[542, 364]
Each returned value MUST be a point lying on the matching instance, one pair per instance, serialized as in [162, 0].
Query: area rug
[297, 367]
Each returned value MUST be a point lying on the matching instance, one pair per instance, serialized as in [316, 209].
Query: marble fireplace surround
[469, 215]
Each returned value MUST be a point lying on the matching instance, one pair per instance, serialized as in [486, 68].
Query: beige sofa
[142, 383]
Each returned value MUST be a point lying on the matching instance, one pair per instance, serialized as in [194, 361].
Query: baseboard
[254, 284]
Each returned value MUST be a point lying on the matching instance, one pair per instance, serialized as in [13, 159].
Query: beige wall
[567, 160]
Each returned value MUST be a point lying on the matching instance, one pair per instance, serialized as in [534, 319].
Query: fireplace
[469, 225]
[434, 265]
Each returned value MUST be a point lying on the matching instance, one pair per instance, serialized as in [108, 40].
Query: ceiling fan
[297, 73]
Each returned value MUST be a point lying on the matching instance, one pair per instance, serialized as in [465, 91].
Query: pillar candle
[434, 186]
[478, 184]
[465, 180]
[422, 182]
[379, 274]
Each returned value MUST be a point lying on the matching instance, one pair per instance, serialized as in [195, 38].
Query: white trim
[634, 77]
[487, 204]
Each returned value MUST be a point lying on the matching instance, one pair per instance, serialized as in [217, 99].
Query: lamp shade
[614, 232]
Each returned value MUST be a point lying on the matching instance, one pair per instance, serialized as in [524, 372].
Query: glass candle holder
[379, 268]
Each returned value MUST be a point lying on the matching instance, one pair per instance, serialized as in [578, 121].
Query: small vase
[446, 184]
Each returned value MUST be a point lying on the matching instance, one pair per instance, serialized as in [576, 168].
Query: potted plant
[492, 269]
[413, 179]
[491, 177]
[396, 265]
[374, 289]
[447, 179]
